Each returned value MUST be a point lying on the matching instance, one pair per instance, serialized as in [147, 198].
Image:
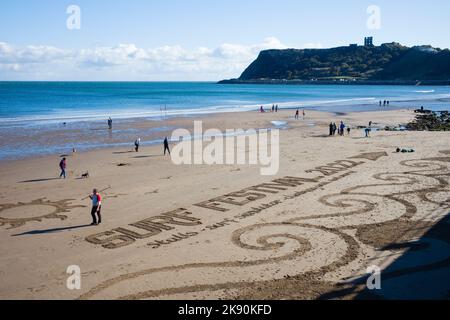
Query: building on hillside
[368, 41]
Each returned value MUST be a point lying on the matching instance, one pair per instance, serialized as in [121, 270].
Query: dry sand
[361, 204]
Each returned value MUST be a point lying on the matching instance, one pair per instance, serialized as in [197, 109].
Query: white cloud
[129, 62]
[30, 54]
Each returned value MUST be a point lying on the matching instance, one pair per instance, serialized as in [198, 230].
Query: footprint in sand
[166, 178]
[90, 272]
[123, 164]
[115, 195]
[152, 192]
[37, 289]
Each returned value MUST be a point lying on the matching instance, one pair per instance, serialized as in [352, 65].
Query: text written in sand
[169, 221]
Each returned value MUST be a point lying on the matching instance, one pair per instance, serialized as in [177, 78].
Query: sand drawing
[309, 245]
[45, 209]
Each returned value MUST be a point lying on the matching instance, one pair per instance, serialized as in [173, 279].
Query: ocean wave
[425, 91]
[102, 115]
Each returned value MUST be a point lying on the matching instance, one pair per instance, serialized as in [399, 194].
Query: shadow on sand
[422, 272]
[39, 180]
[54, 230]
[149, 156]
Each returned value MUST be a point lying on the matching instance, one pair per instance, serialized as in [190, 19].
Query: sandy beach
[337, 206]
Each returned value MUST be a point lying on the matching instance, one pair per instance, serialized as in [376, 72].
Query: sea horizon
[59, 100]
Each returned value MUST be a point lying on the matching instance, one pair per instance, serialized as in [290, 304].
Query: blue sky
[193, 39]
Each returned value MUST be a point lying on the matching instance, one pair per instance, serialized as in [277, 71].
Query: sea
[36, 109]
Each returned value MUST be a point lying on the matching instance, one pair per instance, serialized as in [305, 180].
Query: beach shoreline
[39, 141]
[55, 117]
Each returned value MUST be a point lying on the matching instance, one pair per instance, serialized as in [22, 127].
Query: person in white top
[96, 207]
[137, 143]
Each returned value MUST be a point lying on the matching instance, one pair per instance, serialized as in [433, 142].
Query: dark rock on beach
[430, 121]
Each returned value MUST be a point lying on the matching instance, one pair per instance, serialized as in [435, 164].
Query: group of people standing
[274, 109]
[340, 130]
[385, 103]
[297, 114]
[137, 144]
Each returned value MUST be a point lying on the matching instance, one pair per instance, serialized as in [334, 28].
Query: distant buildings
[368, 41]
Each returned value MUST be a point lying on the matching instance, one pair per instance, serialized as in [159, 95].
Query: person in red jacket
[96, 207]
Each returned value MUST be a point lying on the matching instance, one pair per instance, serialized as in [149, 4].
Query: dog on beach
[85, 175]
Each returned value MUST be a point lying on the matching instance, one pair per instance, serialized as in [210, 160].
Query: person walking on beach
[331, 128]
[166, 146]
[348, 130]
[380, 103]
[273, 108]
[110, 123]
[96, 207]
[137, 143]
[63, 166]
[296, 114]
[276, 108]
[304, 114]
[367, 132]
[334, 128]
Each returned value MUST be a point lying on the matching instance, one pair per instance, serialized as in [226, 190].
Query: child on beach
[296, 115]
[96, 207]
[63, 166]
